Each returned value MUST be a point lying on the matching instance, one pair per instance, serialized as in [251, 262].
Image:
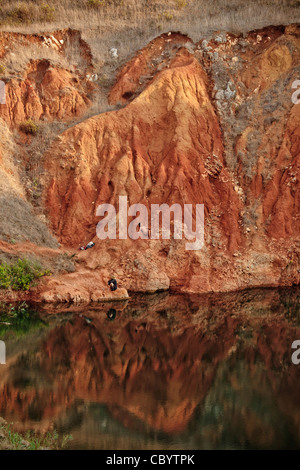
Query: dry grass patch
[20, 12]
[16, 61]
[130, 25]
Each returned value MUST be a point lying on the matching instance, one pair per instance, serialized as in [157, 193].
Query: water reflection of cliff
[209, 371]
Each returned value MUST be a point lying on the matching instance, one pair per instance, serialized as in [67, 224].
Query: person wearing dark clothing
[113, 284]
[111, 314]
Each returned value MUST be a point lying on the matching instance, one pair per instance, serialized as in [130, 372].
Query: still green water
[159, 372]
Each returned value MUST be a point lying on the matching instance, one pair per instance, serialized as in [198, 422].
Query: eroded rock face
[214, 124]
[208, 123]
[44, 89]
[47, 93]
[41, 86]
[147, 152]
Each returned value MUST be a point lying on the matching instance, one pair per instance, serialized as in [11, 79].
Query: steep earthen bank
[42, 80]
[208, 123]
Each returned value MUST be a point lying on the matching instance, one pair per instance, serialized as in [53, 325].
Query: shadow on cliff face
[196, 372]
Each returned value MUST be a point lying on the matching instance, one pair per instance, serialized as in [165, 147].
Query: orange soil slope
[182, 138]
[43, 89]
[208, 123]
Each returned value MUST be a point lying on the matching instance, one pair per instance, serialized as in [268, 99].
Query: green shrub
[96, 3]
[47, 13]
[22, 13]
[27, 12]
[20, 275]
[29, 127]
[4, 276]
[103, 3]
[181, 4]
[167, 16]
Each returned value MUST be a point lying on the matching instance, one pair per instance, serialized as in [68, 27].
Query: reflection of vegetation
[291, 307]
[31, 441]
[244, 332]
[50, 440]
[18, 318]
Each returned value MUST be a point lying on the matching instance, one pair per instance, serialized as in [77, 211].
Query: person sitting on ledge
[112, 284]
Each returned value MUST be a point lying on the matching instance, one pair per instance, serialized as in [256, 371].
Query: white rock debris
[114, 53]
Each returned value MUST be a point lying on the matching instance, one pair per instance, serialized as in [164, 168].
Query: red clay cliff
[209, 123]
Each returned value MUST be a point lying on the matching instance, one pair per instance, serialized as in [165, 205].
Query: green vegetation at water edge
[20, 275]
[12, 440]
